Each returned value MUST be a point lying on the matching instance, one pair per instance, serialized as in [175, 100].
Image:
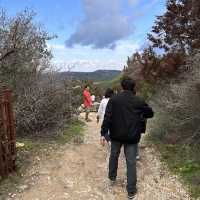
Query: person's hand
[97, 119]
[102, 141]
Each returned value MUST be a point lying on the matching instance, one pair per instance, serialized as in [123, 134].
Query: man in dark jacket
[124, 119]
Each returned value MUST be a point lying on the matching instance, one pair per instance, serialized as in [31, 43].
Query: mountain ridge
[98, 75]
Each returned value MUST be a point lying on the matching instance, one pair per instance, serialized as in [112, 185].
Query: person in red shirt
[87, 102]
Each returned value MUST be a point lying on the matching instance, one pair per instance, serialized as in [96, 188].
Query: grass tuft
[182, 160]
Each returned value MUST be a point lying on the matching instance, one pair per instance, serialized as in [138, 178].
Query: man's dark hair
[86, 86]
[109, 93]
[128, 84]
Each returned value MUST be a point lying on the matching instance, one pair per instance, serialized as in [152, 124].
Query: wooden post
[7, 134]
[11, 129]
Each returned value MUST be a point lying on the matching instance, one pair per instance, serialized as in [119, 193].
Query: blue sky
[92, 34]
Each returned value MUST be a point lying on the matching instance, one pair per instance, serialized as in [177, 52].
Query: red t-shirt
[87, 99]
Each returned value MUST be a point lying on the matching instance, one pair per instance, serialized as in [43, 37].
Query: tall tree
[23, 48]
[178, 29]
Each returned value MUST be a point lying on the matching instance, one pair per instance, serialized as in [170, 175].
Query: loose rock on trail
[79, 172]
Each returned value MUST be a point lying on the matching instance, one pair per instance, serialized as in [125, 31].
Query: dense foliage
[40, 101]
[178, 29]
[170, 81]
[177, 33]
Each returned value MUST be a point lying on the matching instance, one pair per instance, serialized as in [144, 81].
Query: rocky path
[79, 171]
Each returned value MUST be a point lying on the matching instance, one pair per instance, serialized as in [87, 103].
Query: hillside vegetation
[40, 104]
[99, 75]
[113, 83]
[171, 83]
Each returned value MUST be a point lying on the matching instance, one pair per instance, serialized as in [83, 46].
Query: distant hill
[112, 83]
[99, 75]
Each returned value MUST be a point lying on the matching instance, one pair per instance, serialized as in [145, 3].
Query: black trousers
[130, 151]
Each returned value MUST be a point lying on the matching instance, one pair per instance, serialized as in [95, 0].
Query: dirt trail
[79, 172]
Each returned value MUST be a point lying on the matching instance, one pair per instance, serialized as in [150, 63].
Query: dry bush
[41, 102]
[177, 107]
[43, 105]
[150, 67]
[23, 49]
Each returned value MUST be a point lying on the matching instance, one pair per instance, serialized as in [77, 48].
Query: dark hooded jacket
[125, 118]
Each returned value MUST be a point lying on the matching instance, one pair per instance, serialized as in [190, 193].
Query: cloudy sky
[92, 34]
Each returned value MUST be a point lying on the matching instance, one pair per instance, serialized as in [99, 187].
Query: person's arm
[143, 125]
[106, 122]
[100, 110]
[147, 111]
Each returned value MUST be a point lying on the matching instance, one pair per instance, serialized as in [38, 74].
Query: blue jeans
[130, 151]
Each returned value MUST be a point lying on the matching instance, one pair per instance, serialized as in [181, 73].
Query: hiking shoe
[137, 158]
[131, 196]
[112, 182]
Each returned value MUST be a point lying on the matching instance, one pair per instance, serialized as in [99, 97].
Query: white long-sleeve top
[102, 108]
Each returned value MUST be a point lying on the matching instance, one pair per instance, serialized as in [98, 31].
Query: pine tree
[178, 29]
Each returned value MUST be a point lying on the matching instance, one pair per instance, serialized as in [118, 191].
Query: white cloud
[107, 54]
[105, 23]
[127, 46]
[88, 65]
[89, 59]
[56, 46]
[146, 8]
[103, 26]
[133, 2]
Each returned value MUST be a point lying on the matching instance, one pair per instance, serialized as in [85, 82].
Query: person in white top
[93, 98]
[102, 108]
